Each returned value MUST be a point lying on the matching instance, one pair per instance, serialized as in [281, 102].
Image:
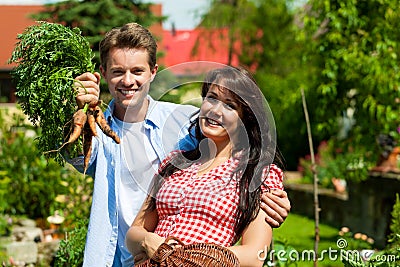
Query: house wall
[13, 20]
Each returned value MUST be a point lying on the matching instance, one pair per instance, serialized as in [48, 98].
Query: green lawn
[298, 232]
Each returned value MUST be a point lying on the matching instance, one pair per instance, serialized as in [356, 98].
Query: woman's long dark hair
[256, 143]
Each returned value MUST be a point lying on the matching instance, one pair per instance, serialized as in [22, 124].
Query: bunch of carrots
[84, 123]
[48, 57]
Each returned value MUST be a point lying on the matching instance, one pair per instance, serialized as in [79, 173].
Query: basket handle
[173, 241]
[166, 249]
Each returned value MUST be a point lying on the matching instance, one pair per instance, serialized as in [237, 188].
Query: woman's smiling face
[220, 115]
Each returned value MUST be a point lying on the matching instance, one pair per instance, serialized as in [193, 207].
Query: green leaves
[71, 250]
[355, 44]
[48, 57]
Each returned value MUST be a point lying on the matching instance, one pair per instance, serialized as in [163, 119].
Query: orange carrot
[79, 120]
[91, 120]
[87, 146]
[102, 122]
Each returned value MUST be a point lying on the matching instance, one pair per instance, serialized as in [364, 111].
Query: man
[148, 129]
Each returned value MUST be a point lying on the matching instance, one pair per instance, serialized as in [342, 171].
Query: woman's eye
[231, 106]
[211, 99]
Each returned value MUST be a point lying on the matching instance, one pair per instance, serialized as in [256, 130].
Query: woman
[212, 193]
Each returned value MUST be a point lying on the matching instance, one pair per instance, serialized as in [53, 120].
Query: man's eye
[138, 72]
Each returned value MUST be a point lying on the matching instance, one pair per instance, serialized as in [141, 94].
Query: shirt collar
[109, 111]
[152, 118]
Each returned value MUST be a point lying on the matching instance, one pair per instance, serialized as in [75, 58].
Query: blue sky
[181, 12]
[184, 13]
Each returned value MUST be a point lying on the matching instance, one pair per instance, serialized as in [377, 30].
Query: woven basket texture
[193, 255]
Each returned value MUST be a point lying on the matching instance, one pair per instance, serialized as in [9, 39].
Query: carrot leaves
[48, 56]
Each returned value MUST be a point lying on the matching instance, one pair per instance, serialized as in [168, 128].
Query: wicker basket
[193, 255]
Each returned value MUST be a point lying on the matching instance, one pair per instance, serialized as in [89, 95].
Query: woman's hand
[87, 86]
[276, 205]
[151, 243]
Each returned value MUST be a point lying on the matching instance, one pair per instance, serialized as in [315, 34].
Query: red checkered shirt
[202, 209]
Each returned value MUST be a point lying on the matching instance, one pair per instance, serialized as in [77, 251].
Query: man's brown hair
[132, 36]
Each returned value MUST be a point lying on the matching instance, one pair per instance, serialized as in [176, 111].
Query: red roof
[179, 47]
[13, 20]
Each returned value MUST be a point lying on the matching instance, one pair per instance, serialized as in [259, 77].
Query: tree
[95, 17]
[354, 46]
[270, 47]
[262, 35]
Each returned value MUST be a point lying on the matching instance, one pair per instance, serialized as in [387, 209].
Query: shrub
[36, 187]
[72, 247]
[29, 183]
[352, 165]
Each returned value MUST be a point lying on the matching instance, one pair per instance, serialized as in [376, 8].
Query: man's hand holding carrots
[88, 87]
